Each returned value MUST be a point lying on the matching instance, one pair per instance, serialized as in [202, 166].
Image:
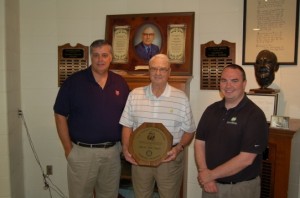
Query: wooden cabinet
[276, 166]
[180, 82]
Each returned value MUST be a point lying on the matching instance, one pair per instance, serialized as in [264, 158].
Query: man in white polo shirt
[159, 103]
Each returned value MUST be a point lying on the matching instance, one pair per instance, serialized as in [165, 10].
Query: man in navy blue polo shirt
[87, 110]
[230, 139]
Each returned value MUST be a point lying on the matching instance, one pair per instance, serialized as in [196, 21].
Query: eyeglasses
[148, 34]
[161, 69]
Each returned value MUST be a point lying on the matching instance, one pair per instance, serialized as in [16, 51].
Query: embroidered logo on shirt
[117, 92]
[233, 120]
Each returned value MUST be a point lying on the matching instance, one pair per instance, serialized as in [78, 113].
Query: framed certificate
[273, 26]
[267, 103]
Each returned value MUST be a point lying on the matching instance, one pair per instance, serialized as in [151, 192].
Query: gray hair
[160, 56]
[100, 43]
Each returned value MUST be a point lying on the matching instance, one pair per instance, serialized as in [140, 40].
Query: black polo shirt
[93, 113]
[228, 132]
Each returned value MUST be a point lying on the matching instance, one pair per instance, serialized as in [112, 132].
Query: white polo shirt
[172, 109]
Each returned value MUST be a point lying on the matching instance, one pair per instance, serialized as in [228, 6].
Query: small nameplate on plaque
[217, 51]
[149, 144]
[72, 53]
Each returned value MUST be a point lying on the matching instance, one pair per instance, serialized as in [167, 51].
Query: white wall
[13, 80]
[46, 24]
[4, 154]
[11, 164]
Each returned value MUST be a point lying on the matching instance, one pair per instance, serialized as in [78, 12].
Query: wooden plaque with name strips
[214, 57]
[71, 59]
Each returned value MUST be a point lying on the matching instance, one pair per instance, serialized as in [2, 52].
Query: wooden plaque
[71, 59]
[214, 57]
[149, 144]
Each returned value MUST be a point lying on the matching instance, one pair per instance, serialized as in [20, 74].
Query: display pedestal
[180, 82]
[265, 91]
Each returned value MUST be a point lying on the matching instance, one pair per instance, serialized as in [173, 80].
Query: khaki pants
[246, 189]
[168, 177]
[94, 169]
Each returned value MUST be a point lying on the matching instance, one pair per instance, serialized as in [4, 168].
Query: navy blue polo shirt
[92, 113]
[228, 132]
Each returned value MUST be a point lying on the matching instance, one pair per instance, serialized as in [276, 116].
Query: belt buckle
[107, 145]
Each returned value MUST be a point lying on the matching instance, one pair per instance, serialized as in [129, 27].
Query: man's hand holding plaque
[150, 143]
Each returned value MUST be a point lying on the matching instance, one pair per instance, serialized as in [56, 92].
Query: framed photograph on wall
[137, 37]
[267, 103]
[281, 122]
[273, 26]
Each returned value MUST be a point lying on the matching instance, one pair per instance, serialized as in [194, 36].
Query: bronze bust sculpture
[265, 67]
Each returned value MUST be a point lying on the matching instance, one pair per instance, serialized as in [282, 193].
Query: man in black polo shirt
[87, 110]
[230, 139]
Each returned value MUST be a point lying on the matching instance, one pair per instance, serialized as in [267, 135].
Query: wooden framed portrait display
[271, 25]
[137, 37]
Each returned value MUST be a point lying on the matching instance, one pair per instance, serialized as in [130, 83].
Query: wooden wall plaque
[71, 59]
[149, 144]
[214, 57]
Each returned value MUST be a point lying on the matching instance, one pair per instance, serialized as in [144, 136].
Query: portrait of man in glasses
[146, 48]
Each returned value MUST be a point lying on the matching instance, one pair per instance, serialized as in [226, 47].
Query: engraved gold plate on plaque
[149, 144]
